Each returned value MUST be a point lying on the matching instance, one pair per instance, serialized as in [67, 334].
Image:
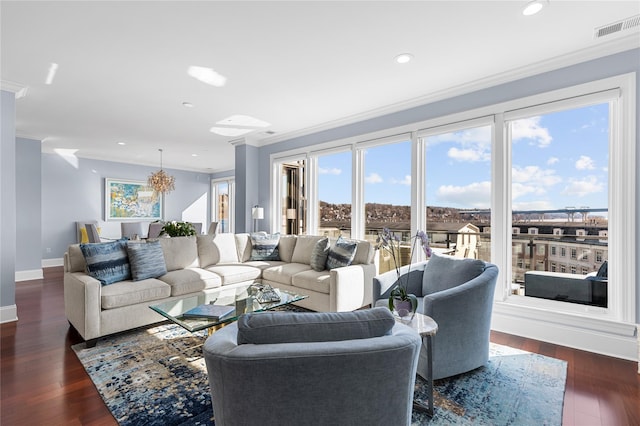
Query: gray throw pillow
[342, 253]
[319, 255]
[146, 260]
[264, 246]
[107, 262]
[293, 327]
[445, 272]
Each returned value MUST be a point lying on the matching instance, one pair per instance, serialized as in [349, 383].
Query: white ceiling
[122, 66]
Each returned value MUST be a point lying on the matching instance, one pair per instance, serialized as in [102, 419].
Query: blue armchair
[329, 368]
[458, 295]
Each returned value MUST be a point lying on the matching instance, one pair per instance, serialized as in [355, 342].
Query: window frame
[231, 182]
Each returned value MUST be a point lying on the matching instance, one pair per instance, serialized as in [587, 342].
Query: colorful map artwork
[132, 200]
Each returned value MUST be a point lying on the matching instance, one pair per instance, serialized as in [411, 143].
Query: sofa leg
[91, 343]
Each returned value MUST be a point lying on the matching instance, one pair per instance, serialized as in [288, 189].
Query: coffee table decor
[158, 376]
[242, 299]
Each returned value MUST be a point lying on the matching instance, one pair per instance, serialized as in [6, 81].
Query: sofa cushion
[207, 251]
[76, 259]
[125, 293]
[189, 280]
[226, 246]
[304, 248]
[283, 273]
[235, 273]
[243, 246]
[263, 264]
[341, 253]
[265, 247]
[319, 254]
[286, 246]
[319, 281]
[107, 262]
[293, 327]
[180, 252]
[146, 260]
[444, 272]
[365, 253]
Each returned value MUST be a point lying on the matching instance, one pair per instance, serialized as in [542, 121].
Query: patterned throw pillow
[107, 262]
[265, 247]
[319, 255]
[146, 260]
[341, 254]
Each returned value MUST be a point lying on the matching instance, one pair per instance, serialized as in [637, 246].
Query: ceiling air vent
[625, 24]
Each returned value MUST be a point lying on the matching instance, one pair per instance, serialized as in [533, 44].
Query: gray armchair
[294, 368]
[458, 295]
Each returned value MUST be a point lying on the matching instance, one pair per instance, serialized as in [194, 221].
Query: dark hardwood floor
[42, 381]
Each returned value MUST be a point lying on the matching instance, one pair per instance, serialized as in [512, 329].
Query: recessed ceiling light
[207, 75]
[122, 143]
[194, 155]
[533, 7]
[187, 104]
[403, 58]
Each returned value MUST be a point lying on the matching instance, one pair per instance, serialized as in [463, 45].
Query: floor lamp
[256, 213]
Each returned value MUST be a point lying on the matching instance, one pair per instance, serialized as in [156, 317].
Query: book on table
[210, 311]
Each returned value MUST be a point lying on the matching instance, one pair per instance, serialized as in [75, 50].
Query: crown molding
[603, 49]
[18, 89]
[245, 141]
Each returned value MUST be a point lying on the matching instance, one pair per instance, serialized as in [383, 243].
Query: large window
[458, 191]
[334, 194]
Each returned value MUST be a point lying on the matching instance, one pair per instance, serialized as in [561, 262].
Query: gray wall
[7, 204]
[29, 204]
[73, 189]
[621, 63]
[247, 187]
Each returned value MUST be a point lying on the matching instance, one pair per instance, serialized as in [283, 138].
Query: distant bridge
[565, 210]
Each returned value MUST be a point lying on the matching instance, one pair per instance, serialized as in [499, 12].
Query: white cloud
[476, 195]
[552, 160]
[585, 163]
[519, 189]
[582, 187]
[477, 136]
[533, 205]
[534, 175]
[405, 181]
[373, 178]
[529, 128]
[332, 171]
[469, 154]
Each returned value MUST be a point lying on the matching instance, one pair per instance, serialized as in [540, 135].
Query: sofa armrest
[351, 287]
[82, 304]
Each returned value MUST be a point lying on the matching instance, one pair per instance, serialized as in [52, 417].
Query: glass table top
[243, 298]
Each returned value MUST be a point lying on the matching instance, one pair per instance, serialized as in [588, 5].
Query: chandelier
[160, 181]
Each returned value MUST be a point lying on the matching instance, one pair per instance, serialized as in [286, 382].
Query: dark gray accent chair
[458, 295]
[331, 368]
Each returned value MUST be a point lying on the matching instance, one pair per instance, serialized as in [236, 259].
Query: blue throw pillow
[265, 247]
[341, 254]
[319, 254]
[107, 262]
[146, 260]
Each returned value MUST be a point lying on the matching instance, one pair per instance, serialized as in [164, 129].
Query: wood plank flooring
[42, 381]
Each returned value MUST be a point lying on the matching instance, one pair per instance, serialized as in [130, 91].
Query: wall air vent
[625, 24]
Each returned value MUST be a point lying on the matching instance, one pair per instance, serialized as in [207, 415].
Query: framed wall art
[131, 200]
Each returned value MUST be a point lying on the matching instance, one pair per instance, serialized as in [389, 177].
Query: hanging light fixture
[160, 181]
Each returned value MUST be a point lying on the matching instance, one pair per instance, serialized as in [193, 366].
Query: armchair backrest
[309, 381]
[445, 272]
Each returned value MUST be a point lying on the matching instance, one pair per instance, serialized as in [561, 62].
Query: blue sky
[558, 160]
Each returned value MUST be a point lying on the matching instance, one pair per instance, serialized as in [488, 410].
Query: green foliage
[178, 229]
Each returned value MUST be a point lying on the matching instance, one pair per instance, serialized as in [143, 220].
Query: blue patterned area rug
[158, 377]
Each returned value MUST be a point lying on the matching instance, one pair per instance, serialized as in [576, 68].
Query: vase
[403, 307]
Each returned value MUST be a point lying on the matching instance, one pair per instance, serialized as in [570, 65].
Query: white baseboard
[34, 274]
[619, 340]
[49, 263]
[8, 313]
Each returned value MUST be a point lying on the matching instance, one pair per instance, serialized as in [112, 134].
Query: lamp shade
[257, 213]
[291, 213]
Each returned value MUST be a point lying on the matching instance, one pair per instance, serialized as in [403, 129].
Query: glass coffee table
[243, 298]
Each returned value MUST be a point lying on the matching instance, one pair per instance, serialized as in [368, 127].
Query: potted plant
[399, 300]
[178, 229]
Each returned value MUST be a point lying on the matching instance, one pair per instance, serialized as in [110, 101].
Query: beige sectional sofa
[205, 263]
